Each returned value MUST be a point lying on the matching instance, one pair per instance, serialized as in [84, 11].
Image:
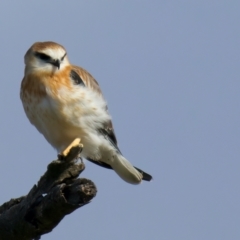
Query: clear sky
[170, 73]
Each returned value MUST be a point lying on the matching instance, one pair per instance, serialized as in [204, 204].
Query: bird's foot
[72, 151]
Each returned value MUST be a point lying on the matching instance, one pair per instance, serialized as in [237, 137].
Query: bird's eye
[63, 57]
[42, 56]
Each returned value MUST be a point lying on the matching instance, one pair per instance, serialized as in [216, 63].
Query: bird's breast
[60, 111]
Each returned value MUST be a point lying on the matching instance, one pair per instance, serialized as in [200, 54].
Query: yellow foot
[72, 151]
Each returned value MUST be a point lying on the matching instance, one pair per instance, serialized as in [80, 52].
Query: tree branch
[58, 193]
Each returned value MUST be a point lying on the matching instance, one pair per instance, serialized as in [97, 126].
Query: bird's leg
[72, 151]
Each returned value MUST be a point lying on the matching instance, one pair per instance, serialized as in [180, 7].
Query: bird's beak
[56, 63]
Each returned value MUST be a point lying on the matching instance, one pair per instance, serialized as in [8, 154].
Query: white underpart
[87, 113]
[83, 113]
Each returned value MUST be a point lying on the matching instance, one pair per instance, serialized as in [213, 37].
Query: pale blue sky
[170, 73]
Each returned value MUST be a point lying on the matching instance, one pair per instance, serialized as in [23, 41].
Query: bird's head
[45, 56]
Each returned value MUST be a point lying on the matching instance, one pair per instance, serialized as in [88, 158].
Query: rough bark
[58, 193]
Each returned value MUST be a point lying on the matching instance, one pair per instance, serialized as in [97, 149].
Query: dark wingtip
[146, 176]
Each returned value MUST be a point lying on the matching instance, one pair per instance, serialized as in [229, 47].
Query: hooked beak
[56, 63]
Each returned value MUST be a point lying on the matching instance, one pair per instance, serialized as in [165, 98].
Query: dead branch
[58, 193]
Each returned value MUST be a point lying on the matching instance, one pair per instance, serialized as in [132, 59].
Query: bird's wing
[87, 79]
[82, 76]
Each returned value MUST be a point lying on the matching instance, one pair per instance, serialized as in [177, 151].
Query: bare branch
[58, 193]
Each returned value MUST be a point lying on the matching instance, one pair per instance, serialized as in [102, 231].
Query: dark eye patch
[42, 56]
[76, 78]
[63, 56]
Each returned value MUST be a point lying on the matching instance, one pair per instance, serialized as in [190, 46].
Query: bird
[65, 102]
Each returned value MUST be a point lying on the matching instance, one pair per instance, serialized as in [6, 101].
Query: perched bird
[65, 102]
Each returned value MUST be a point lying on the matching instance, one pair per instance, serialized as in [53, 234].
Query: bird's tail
[127, 171]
